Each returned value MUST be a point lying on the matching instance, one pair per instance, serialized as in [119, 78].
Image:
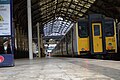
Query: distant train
[95, 35]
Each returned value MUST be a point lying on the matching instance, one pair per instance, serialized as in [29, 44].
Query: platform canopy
[55, 15]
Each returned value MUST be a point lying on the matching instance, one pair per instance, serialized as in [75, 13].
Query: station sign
[5, 18]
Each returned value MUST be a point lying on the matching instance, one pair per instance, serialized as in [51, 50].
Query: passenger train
[95, 35]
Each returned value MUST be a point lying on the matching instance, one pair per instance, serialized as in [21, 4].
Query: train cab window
[109, 29]
[96, 30]
[83, 30]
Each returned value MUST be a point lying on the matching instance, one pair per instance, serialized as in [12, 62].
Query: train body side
[93, 36]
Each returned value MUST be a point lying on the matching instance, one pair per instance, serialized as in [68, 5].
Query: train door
[97, 37]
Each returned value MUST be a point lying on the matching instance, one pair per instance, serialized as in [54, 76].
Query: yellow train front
[102, 35]
[95, 35]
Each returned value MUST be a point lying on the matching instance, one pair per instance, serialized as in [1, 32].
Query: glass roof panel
[57, 27]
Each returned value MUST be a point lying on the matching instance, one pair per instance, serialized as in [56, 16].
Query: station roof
[57, 27]
[49, 12]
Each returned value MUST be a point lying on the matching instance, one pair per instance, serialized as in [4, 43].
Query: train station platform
[61, 68]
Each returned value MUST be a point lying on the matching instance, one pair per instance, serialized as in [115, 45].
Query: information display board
[5, 17]
[6, 34]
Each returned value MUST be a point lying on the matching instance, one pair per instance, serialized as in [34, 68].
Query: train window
[96, 30]
[109, 29]
[83, 31]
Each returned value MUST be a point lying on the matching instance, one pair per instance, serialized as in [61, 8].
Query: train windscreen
[109, 28]
[83, 30]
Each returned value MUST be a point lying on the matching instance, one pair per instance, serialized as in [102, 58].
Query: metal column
[29, 29]
[38, 31]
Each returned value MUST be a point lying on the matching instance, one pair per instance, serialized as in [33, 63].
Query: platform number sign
[5, 18]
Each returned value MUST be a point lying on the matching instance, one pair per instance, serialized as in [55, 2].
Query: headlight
[83, 49]
[110, 44]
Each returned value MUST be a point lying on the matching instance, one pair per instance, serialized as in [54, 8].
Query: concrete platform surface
[62, 69]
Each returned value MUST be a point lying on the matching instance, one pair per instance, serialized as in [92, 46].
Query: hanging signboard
[5, 18]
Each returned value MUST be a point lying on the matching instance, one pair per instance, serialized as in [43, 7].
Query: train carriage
[95, 35]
